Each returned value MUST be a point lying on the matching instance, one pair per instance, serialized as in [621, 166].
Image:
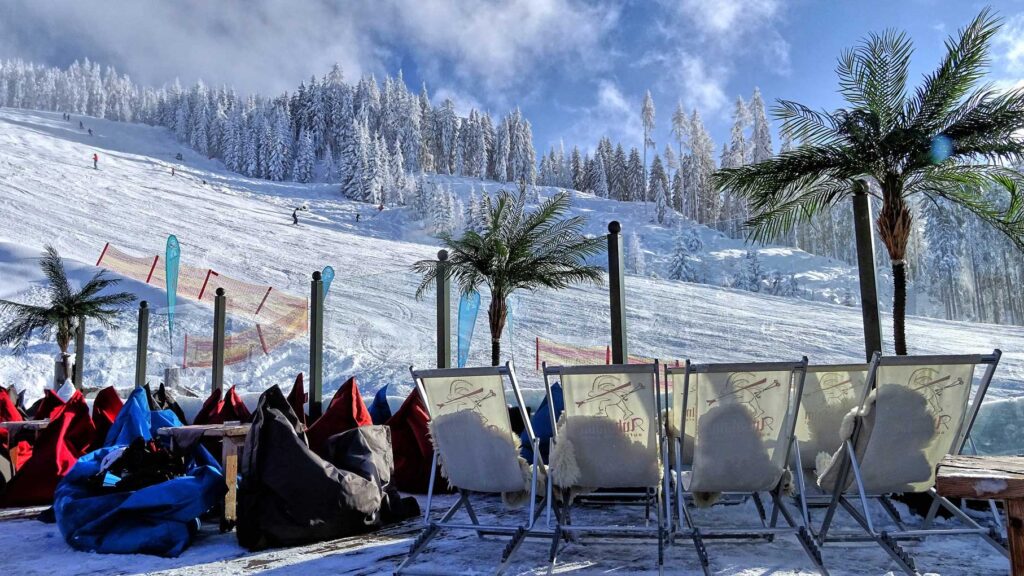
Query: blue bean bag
[541, 423]
[158, 519]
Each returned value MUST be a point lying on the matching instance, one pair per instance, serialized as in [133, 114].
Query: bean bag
[541, 423]
[104, 410]
[289, 496]
[380, 410]
[116, 500]
[410, 442]
[297, 399]
[219, 409]
[345, 412]
[58, 446]
[8, 413]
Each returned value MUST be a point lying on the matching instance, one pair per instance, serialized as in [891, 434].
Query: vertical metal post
[862, 223]
[444, 313]
[79, 353]
[616, 289]
[141, 345]
[219, 317]
[316, 346]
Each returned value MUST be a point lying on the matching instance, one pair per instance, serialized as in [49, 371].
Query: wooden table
[232, 439]
[13, 428]
[989, 478]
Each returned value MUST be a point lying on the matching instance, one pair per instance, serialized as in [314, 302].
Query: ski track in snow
[375, 329]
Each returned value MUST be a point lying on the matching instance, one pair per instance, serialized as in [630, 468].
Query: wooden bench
[232, 440]
[14, 428]
[989, 478]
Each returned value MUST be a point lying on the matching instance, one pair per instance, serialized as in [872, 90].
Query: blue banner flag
[327, 276]
[171, 264]
[469, 305]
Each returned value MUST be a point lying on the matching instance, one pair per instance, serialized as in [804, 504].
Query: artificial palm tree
[60, 317]
[516, 250]
[953, 138]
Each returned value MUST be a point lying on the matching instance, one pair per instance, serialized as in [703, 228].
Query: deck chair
[914, 410]
[478, 452]
[830, 392]
[743, 419]
[610, 436]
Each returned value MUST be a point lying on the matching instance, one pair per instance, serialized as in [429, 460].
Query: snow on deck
[33, 548]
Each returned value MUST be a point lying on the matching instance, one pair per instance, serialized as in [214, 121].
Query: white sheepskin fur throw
[592, 451]
[481, 458]
[730, 454]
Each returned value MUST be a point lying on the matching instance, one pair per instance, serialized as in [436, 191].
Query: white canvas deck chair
[830, 392]
[610, 436]
[914, 410]
[478, 452]
[740, 419]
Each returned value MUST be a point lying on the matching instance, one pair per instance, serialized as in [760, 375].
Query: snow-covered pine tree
[471, 217]
[305, 158]
[596, 177]
[682, 266]
[576, 166]
[659, 187]
[634, 186]
[751, 275]
[647, 119]
[617, 174]
[761, 136]
[636, 262]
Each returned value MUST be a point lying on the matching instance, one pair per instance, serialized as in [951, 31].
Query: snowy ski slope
[49, 193]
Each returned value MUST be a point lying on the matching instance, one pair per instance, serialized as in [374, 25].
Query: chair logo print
[610, 397]
[462, 396]
[744, 389]
[928, 381]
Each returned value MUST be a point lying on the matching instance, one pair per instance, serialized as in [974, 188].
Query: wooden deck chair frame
[563, 527]
[769, 528]
[518, 532]
[889, 540]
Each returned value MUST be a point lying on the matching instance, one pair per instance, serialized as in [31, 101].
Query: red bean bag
[345, 412]
[218, 410]
[105, 408]
[410, 442]
[56, 450]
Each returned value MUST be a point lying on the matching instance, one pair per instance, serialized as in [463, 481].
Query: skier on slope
[90, 131]
[80, 125]
[295, 217]
[95, 161]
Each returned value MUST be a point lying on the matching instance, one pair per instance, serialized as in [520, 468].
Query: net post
[141, 344]
[79, 353]
[616, 282]
[316, 346]
[219, 305]
[444, 312]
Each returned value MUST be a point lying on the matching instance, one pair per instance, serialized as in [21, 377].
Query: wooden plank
[229, 456]
[1015, 525]
[989, 477]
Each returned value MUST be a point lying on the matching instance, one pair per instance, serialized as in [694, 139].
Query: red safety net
[560, 354]
[276, 317]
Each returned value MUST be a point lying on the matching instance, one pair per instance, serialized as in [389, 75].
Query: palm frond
[873, 76]
[773, 222]
[53, 268]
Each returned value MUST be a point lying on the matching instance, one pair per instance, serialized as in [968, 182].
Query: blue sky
[577, 68]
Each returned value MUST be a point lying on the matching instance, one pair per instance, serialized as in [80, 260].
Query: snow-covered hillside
[49, 193]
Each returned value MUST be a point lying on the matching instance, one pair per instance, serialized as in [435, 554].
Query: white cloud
[612, 114]
[728, 18]
[1011, 42]
[269, 45]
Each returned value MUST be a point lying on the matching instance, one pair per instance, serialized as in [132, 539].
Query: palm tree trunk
[899, 306]
[496, 312]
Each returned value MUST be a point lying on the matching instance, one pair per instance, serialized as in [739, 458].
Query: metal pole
[79, 353]
[316, 346]
[141, 345]
[862, 223]
[219, 307]
[444, 313]
[616, 289]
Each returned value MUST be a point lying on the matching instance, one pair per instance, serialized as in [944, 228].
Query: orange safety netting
[277, 317]
[559, 354]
